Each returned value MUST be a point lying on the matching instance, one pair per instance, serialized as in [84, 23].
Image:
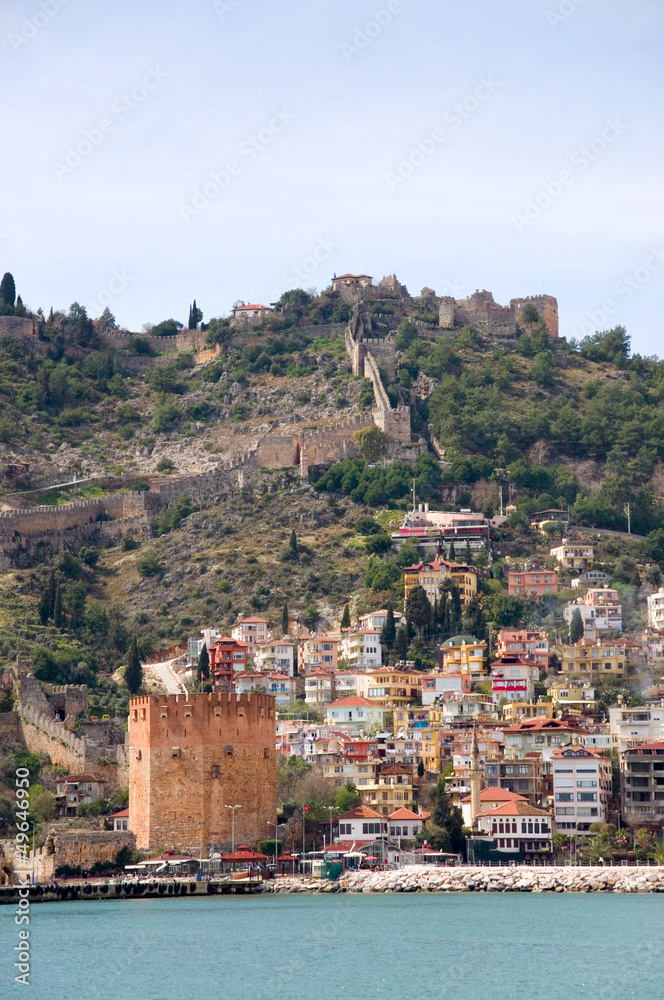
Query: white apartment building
[597, 618]
[629, 724]
[252, 632]
[375, 620]
[442, 686]
[581, 788]
[195, 646]
[362, 649]
[278, 656]
[656, 609]
[319, 688]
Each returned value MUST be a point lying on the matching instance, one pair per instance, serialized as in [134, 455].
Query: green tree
[542, 368]
[401, 644]
[389, 631]
[372, 443]
[469, 555]
[292, 544]
[418, 610]
[58, 610]
[8, 290]
[47, 599]
[451, 555]
[446, 815]
[420, 770]
[134, 669]
[284, 619]
[195, 316]
[576, 626]
[345, 618]
[107, 321]
[347, 798]
[76, 595]
[148, 564]
[203, 664]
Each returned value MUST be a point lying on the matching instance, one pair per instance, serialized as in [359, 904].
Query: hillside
[551, 424]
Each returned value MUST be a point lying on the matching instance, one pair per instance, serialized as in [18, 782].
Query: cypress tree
[204, 664]
[418, 610]
[134, 670]
[389, 632]
[284, 619]
[292, 544]
[345, 618]
[455, 609]
[58, 611]
[47, 602]
[452, 553]
[7, 289]
[401, 644]
[576, 626]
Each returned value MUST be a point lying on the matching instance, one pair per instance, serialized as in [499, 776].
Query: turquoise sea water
[344, 947]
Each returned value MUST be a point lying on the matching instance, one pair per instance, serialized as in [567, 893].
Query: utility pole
[629, 518]
[501, 501]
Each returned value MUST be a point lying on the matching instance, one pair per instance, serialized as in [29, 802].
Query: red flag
[307, 809]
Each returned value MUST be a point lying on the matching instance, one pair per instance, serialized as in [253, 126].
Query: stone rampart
[10, 730]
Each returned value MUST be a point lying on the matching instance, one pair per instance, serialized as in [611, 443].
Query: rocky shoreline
[417, 878]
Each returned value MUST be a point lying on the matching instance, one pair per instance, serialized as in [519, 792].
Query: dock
[100, 890]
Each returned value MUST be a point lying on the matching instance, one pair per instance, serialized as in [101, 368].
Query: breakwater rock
[420, 878]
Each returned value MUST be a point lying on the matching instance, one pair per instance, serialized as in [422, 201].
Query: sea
[466, 946]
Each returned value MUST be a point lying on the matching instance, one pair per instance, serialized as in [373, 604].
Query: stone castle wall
[483, 311]
[190, 757]
[76, 848]
[10, 730]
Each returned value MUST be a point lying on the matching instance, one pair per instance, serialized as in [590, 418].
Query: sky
[160, 151]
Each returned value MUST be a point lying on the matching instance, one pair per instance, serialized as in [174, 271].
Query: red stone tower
[192, 755]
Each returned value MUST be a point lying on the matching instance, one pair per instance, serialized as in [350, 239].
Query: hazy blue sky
[116, 114]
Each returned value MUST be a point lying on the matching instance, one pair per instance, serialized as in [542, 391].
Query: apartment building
[628, 726]
[356, 713]
[541, 735]
[513, 679]
[532, 583]
[581, 788]
[573, 555]
[280, 657]
[600, 611]
[598, 659]
[463, 654]
[362, 650]
[526, 644]
[431, 575]
[252, 632]
[390, 687]
[656, 609]
[391, 789]
[318, 651]
[436, 686]
[319, 688]
[642, 784]
[521, 777]
[573, 698]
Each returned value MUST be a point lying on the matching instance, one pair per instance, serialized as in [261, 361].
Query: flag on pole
[307, 809]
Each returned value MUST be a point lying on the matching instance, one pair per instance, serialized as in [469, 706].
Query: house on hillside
[356, 713]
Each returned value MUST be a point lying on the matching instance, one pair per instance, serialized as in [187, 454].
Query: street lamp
[275, 844]
[233, 825]
[331, 809]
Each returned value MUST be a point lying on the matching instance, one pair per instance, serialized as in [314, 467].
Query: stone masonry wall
[190, 757]
[76, 848]
[10, 730]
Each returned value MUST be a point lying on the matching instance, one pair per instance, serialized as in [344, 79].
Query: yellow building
[463, 654]
[390, 687]
[597, 659]
[515, 711]
[574, 698]
[431, 575]
[391, 789]
[573, 555]
[430, 754]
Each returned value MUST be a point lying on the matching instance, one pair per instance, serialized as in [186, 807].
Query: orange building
[227, 658]
[190, 756]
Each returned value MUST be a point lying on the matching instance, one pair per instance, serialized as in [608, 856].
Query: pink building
[533, 583]
[319, 651]
[525, 644]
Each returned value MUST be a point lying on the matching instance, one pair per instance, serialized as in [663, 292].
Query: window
[586, 784]
[216, 771]
[228, 751]
[524, 769]
[587, 811]
[586, 796]
[564, 796]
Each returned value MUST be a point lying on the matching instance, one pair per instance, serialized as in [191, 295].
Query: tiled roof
[496, 795]
[539, 725]
[362, 812]
[123, 812]
[78, 777]
[522, 808]
[403, 814]
[353, 701]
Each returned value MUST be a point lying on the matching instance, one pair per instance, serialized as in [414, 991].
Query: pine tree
[455, 609]
[7, 289]
[420, 770]
[292, 543]
[401, 644]
[284, 619]
[195, 316]
[576, 626]
[134, 669]
[203, 664]
[451, 554]
[389, 632]
[58, 611]
[345, 618]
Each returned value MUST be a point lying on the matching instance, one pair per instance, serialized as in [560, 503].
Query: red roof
[522, 808]
[578, 752]
[123, 812]
[496, 795]
[362, 812]
[404, 814]
[537, 725]
[243, 853]
[353, 701]
[252, 305]
[337, 277]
